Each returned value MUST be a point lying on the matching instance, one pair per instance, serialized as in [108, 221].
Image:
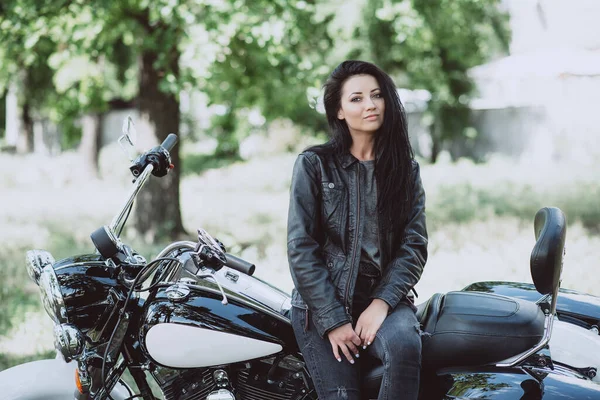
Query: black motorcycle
[196, 321]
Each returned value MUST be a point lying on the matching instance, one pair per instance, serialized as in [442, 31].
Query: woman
[357, 240]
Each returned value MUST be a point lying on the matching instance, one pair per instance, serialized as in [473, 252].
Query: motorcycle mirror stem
[118, 220]
[166, 146]
[128, 138]
[106, 239]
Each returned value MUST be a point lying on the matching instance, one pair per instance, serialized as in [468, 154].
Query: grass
[479, 219]
[465, 202]
[195, 164]
[7, 361]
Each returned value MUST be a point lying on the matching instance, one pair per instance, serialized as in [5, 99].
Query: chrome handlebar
[118, 220]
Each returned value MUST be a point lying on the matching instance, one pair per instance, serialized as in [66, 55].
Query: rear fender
[572, 306]
[45, 379]
[576, 347]
[514, 384]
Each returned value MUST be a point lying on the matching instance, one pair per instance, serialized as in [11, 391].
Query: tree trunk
[436, 145]
[91, 141]
[25, 144]
[157, 214]
[13, 121]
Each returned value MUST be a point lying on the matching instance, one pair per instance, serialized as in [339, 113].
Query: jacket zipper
[346, 297]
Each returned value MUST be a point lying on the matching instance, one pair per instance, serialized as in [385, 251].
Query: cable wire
[121, 313]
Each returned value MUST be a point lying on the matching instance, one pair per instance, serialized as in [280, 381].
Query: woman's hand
[370, 321]
[345, 338]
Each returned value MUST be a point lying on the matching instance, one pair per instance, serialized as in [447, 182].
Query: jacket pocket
[334, 204]
[335, 265]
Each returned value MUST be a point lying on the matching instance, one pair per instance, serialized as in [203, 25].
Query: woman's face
[362, 105]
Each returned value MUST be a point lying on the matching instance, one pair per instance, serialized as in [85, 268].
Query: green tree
[45, 51]
[95, 45]
[431, 44]
[268, 54]
[23, 63]
[248, 53]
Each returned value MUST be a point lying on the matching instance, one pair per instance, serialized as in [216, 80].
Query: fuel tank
[197, 330]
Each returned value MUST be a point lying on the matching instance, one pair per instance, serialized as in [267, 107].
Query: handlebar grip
[169, 142]
[240, 265]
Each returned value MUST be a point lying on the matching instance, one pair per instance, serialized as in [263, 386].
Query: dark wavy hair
[393, 152]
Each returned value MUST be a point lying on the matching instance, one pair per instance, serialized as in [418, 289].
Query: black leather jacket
[324, 240]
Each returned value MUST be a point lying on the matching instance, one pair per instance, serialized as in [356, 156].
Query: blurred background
[501, 97]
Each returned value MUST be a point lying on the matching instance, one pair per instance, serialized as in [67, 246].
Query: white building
[542, 100]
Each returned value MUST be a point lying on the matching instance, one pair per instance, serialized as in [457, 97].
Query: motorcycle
[198, 323]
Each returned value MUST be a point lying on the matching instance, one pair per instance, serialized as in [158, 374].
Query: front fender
[44, 379]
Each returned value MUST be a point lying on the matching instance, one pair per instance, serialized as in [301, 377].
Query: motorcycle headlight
[36, 260]
[68, 341]
[51, 295]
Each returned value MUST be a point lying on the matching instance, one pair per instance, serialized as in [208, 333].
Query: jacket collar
[346, 159]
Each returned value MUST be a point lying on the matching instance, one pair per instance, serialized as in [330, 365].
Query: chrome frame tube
[164, 252]
[543, 299]
[175, 246]
[171, 265]
[553, 302]
[139, 183]
[548, 323]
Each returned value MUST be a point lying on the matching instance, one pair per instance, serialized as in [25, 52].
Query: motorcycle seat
[475, 328]
[469, 328]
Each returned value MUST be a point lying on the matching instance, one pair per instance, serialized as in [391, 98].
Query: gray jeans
[397, 345]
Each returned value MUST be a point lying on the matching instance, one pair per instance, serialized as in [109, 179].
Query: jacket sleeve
[307, 266]
[405, 269]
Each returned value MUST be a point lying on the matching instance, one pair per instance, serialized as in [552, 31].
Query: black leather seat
[473, 328]
[469, 328]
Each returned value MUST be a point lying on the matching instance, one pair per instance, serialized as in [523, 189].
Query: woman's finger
[370, 338]
[363, 337]
[336, 353]
[356, 340]
[361, 333]
[358, 329]
[347, 353]
[353, 348]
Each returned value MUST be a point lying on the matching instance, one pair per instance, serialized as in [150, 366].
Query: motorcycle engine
[269, 379]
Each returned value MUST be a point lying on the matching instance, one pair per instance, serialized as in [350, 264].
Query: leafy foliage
[266, 55]
[242, 53]
[263, 55]
[431, 44]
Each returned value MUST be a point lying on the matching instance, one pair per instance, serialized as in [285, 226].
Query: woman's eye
[355, 99]
[377, 95]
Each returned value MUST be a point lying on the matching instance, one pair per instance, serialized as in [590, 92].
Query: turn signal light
[78, 382]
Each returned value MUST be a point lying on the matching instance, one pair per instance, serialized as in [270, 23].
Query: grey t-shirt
[370, 257]
[369, 268]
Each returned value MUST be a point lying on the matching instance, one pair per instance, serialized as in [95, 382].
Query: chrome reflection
[52, 298]
[68, 341]
[36, 261]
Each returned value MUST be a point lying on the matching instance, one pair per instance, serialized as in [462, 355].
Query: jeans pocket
[300, 318]
[297, 301]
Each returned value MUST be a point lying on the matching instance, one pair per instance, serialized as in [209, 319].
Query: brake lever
[224, 301]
